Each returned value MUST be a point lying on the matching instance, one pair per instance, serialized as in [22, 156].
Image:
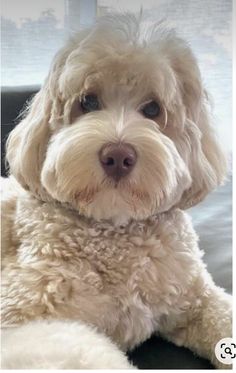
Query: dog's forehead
[122, 66]
[135, 73]
[118, 76]
[131, 72]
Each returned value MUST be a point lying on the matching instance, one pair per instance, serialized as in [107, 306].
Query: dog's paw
[59, 345]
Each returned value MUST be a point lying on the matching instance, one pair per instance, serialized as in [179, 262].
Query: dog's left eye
[151, 109]
[89, 103]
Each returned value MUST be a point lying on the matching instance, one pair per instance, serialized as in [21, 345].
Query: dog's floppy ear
[206, 161]
[27, 143]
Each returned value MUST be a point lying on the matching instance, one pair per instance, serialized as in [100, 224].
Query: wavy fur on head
[53, 152]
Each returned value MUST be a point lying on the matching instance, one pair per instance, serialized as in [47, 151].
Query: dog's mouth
[85, 195]
[127, 190]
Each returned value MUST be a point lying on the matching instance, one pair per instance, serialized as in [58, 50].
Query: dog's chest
[118, 279]
[131, 276]
[121, 279]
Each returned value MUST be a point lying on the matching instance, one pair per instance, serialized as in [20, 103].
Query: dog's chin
[120, 203]
[116, 205]
[132, 198]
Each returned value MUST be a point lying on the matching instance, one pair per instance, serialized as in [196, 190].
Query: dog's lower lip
[114, 183]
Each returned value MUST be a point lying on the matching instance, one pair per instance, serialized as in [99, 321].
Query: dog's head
[120, 128]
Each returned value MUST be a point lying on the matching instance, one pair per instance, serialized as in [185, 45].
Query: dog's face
[120, 128]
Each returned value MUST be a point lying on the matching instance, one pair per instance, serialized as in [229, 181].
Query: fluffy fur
[121, 257]
[66, 345]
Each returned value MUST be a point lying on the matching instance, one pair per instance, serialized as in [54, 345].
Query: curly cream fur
[123, 258]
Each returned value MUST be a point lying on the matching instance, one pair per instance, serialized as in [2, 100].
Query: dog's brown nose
[117, 160]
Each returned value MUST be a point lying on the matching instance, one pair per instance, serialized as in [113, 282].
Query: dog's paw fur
[59, 345]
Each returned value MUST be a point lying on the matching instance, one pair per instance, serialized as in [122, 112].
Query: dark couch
[155, 353]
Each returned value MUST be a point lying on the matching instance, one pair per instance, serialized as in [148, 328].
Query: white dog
[97, 250]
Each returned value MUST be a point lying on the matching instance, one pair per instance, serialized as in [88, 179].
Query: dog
[98, 252]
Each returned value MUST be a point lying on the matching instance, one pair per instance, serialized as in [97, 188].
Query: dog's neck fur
[111, 222]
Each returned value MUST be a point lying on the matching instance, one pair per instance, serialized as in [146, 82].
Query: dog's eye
[151, 109]
[89, 103]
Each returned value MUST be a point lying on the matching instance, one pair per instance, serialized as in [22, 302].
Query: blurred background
[32, 31]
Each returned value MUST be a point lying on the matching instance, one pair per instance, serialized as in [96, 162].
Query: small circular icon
[225, 351]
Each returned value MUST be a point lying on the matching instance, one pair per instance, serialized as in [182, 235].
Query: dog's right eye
[89, 103]
[151, 109]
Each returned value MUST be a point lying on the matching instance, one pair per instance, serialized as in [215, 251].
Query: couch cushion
[13, 101]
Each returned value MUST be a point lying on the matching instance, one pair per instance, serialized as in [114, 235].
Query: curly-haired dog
[97, 250]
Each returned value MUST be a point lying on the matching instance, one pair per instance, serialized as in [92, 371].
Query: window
[33, 31]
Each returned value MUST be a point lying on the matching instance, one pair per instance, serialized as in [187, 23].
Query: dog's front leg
[205, 323]
[58, 344]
